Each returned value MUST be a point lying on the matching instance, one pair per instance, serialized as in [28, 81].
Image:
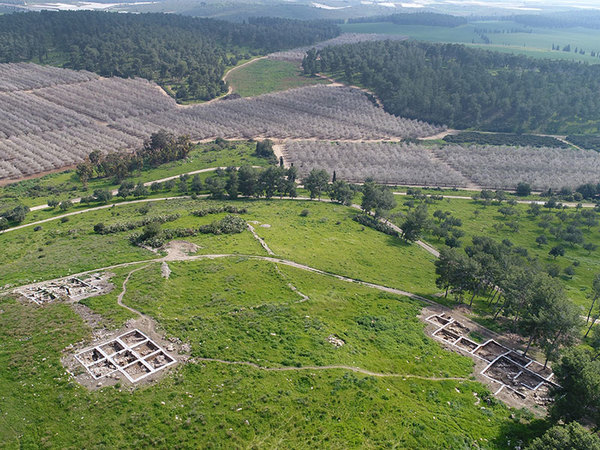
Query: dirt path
[260, 240]
[148, 183]
[440, 135]
[329, 367]
[124, 291]
[179, 256]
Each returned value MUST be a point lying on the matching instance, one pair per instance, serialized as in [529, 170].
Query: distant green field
[537, 43]
[266, 75]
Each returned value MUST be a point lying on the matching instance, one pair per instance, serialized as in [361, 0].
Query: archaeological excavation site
[507, 372]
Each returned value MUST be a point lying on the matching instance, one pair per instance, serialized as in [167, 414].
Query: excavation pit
[538, 368]
[466, 344]
[503, 370]
[159, 360]
[458, 328]
[519, 359]
[91, 356]
[111, 348]
[446, 335]
[439, 319]
[71, 289]
[124, 358]
[101, 369]
[137, 371]
[145, 349]
[530, 380]
[490, 350]
[133, 338]
[132, 354]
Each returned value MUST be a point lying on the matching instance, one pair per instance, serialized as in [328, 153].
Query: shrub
[219, 209]
[371, 222]
[65, 205]
[227, 225]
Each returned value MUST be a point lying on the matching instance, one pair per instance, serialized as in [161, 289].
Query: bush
[125, 226]
[65, 205]
[371, 222]
[219, 209]
[304, 213]
[227, 225]
[523, 189]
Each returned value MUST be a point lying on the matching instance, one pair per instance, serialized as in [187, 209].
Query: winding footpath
[329, 367]
[147, 321]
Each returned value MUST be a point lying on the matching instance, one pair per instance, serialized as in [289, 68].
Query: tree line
[421, 18]
[531, 140]
[468, 88]
[185, 55]
[160, 148]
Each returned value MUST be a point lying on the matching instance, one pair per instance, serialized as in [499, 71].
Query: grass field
[236, 309]
[537, 43]
[266, 75]
[327, 239]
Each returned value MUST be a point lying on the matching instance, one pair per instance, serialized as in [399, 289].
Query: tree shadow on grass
[515, 433]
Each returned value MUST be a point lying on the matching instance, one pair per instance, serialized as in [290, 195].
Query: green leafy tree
[571, 436]
[248, 181]
[216, 187]
[523, 189]
[125, 189]
[557, 250]
[140, 190]
[196, 185]
[65, 205]
[341, 192]
[317, 182]
[415, 223]
[232, 184]
[103, 195]
[578, 375]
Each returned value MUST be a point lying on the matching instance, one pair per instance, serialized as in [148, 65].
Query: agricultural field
[504, 36]
[297, 54]
[483, 166]
[48, 128]
[385, 162]
[503, 167]
[268, 75]
[319, 111]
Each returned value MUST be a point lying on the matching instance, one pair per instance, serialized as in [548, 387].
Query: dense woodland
[469, 88]
[564, 19]
[424, 18]
[186, 55]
